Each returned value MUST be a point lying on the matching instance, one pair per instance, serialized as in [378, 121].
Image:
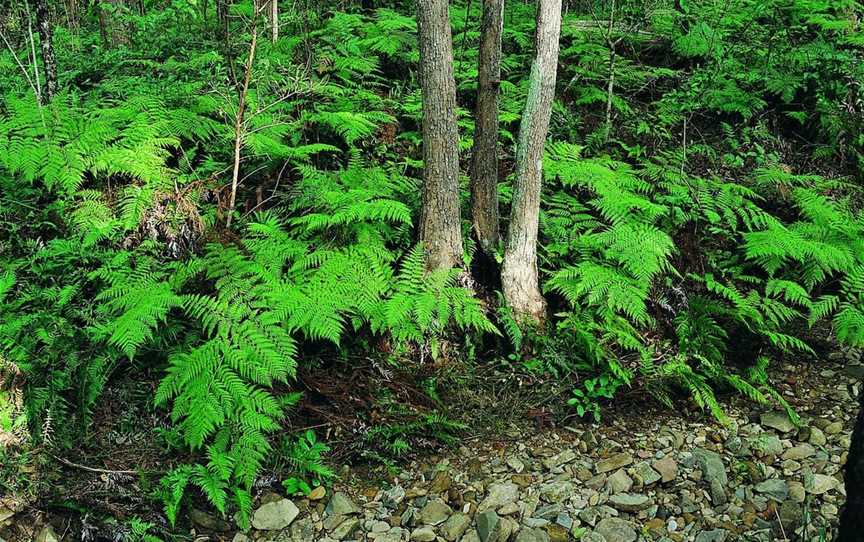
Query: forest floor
[643, 473]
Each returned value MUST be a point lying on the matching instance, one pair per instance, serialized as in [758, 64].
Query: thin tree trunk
[239, 127]
[484, 168]
[519, 277]
[274, 19]
[440, 228]
[43, 23]
[111, 24]
[222, 17]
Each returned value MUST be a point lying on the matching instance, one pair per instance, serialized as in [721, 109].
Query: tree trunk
[484, 168]
[111, 24]
[440, 228]
[519, 277]
[852, 519]
[274, 19]
[222, 17]
[43, 22]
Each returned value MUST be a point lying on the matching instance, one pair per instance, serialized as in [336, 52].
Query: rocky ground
[671, 477]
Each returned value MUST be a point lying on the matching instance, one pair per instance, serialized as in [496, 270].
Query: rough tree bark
[440, 229]
[484, 167]
[46, 40]
[852, 519]
[519, 278]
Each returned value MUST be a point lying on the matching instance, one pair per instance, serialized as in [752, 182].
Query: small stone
[711, 465]
[619, 482]
[488, 526]
[554, 492]
[499, 495]
[629, 502]
[393, 497]
[423, 534]
[797, 453]
[557, 533]
[275, 516]
[833, 428]
[775, 488]
[796, 492]
[346, 529]
[716, 535]
[240, 537]
[516, 464]
[341, 505]
[531, 535]
[435, 513]
[455, 526]
[560, 459]
[817, 437]
[317, 494]
[667, 467]
[766, 444]
[647, 474]
[441, 483]
[616, 530]
[818, 484]
[614, 462]
[778, 420]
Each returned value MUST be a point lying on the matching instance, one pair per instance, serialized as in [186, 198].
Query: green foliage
[304, 459]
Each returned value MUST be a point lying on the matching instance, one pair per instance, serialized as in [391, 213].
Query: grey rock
[560, 459]
[455, 526]
[775, 488]
[549, 512]
[275, 515]
[488, 526]
[471, 536]
[716, 535]
[346, 529]
[341, 505]
[516, 464]
[556, 491]
[802, 451]
[616, 530]
[565, 521]
[499, 495]
[393, 497]
[817, 437]
[833, 428]
[766, 444]
[711, 465]
[614, 462]
[531, 535]
[435, 512]
[647, 474]
[777, 420]
[818, 484]
[629, 502]
[423, 534]
[240, 537]
[619, 482]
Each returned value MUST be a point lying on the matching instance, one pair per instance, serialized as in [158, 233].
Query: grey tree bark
[274, 19]
[440, 228]
[46, 41]
[484, 167]
[519, 277]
